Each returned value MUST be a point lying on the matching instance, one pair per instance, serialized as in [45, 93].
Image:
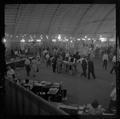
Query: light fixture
[22, 41]
[78, 39]
[89, 38]
[30, 40]
[103, 39]
[4, 40]
[83, 38]
[112, 39]
[53, 40]
[59, 37]
[66, 40]
[38, 40]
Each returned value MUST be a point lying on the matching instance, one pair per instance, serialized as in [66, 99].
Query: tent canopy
[71, 19]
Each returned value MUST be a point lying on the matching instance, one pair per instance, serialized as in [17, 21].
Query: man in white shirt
[105, 60]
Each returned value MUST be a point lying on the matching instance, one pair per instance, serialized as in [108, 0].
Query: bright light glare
[53, 40]
[83, 39]
[66, 39]
[71, 41]
[38, 40]
[112, 39]
[59, 37]
[30, 40]
[22, 41]
[78, 39]
[4, 40]
[103, 39]
[89, 39]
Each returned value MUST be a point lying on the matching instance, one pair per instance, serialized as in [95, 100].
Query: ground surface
[79, 90]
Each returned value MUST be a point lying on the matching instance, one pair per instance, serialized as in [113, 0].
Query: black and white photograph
[61, 59]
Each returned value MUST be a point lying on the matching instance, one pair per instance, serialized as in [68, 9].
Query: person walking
[27, 66]
[91, 68]
[105, 60]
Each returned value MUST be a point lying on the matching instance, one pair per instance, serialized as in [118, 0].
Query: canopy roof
[72, 19]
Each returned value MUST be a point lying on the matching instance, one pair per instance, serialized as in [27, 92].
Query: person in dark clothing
[91, 69]
[12, 53]
[54, 62]
[27, 66]
[67, 66]
[84, 67]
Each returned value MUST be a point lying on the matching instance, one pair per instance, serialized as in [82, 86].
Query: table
[16, 63]
[53, 91]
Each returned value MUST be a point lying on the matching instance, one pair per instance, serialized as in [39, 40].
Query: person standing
[27, 66]
[114, 64]
[91, 68]
[54, 62]
[10, 73]
[84, 67]
[38, 63]
[47, 59]
[34, 66]
[112, 103]
[105, 60]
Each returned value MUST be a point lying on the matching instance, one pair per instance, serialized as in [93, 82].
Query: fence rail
[20, 101]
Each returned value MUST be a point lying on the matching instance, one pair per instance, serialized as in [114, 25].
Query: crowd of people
[65, 61]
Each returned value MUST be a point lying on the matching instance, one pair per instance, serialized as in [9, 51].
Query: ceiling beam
[81, 19]
[52, 18]
[103, 20]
